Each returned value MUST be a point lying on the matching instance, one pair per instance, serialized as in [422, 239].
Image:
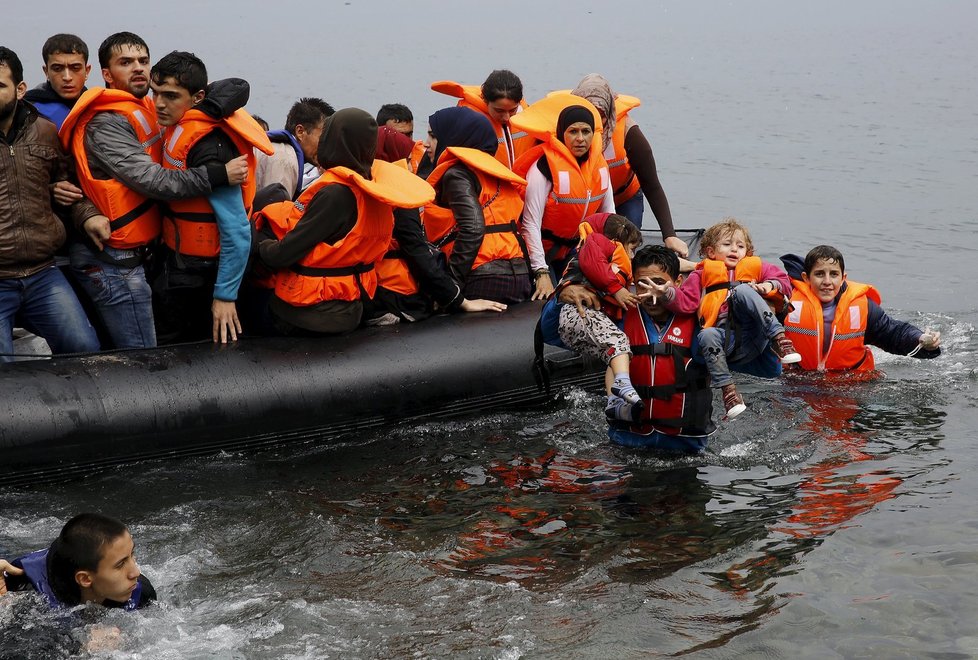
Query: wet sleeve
[425, 265]
[893, 336]
[330, 216]
[112, 146]
[642, 162]
[235, 233]
[460, 192]
[148, 593]
[772, 273]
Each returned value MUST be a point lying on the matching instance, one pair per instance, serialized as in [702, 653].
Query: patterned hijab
[596, 89]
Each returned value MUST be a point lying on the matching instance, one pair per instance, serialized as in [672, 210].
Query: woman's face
[578, 138]
[502, 109]
[432, 144]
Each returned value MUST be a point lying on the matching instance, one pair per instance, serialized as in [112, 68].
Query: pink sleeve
[595, 261]
[686, 298]
[772, 273]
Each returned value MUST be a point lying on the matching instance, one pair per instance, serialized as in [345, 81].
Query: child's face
[730, 249]
[825, 279]
[115, 577]
[630, 248]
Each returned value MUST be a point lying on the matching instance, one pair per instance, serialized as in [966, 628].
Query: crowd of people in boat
[185, 219]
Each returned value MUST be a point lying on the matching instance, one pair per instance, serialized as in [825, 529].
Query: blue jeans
[47, 304]
[755, 325]
[121, 295]
[633, 209]
[658, 441]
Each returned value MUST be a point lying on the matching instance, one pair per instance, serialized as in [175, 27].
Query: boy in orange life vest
[729, 289]
[207, 239]
[603, 264]
[833, 320]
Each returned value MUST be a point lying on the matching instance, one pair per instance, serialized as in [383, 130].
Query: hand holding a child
[625, 298]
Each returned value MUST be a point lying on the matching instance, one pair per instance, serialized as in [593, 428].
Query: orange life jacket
[393, 273]
[500, 201]
[676, 402]
[417, 152]
[345, 270]
[134, 219]
[190, 226]
[847, 348]
[621, 265]
[471, 97]
[716, 281]
[624, 183]
[578, 189]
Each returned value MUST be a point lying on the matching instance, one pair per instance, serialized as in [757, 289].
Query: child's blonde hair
[719, 231]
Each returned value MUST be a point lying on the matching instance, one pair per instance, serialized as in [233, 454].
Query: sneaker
[625, 390]
[733, 403]
[784, 349]
[383, 319]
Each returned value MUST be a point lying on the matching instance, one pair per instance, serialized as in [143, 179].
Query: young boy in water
[731, 289]
[603, 265]
[91, 561]
[833, 319]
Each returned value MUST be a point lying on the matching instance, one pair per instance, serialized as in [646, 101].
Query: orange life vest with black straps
[513, 143]
[677, 396]
[134, 219]
[393, 272]
[624, 183]
[345, 270]
[499, 198]
[716, 281]
[578, 188]
[189, 225]
[847, 349]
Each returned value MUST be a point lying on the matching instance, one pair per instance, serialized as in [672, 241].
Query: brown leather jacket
[30, 232]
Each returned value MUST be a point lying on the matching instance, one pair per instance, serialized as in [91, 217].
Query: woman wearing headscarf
[567, 180]
[474, 219]
[327, 242]
[394, 147]
[412, 277]
[630, 159]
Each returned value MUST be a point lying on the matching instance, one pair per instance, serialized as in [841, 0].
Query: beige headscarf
[596, 89]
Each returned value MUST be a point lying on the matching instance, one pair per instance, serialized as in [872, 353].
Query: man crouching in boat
[91, 561]
[206, 239]
[677, 412]
[323, 247]
[833, 320]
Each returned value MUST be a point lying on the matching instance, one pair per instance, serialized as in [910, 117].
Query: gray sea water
[827, 521]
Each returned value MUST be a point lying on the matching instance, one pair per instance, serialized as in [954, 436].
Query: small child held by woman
[603, 264]
[735, 294]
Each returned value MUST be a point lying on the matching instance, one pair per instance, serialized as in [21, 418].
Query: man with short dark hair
[66, 68]
[114, 136]
[294, 165]
[31, 160]
[399, 117]
[207, 239]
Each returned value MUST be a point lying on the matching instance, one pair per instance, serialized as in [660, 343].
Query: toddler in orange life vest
[603, 264]
[730, 289]
[833, 319]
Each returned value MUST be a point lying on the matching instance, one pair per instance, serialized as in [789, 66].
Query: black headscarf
[349, 140]
[462, 127]
[571, 115]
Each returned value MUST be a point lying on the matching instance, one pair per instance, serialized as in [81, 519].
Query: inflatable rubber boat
[65, 415]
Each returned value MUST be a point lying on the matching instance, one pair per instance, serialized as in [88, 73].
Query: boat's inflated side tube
[62, 414]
